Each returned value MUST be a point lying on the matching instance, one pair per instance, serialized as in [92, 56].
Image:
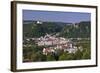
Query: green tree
[78, 55]
[86, 54]
[38, 56]
[34, 57]
[50, 57]
[66, 56]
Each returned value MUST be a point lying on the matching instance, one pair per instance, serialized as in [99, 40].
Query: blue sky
[55, 16]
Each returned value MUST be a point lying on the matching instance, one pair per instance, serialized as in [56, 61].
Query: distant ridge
[30, 21]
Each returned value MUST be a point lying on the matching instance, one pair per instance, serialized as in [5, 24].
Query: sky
[55, 16]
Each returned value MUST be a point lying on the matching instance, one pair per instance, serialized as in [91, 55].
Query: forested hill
[78, 30]
[68, 30]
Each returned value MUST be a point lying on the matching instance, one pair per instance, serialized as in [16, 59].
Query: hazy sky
[56, 16]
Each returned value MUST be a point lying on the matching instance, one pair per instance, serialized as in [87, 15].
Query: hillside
[68, 30]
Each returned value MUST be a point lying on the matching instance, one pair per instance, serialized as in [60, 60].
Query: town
[53, 43]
